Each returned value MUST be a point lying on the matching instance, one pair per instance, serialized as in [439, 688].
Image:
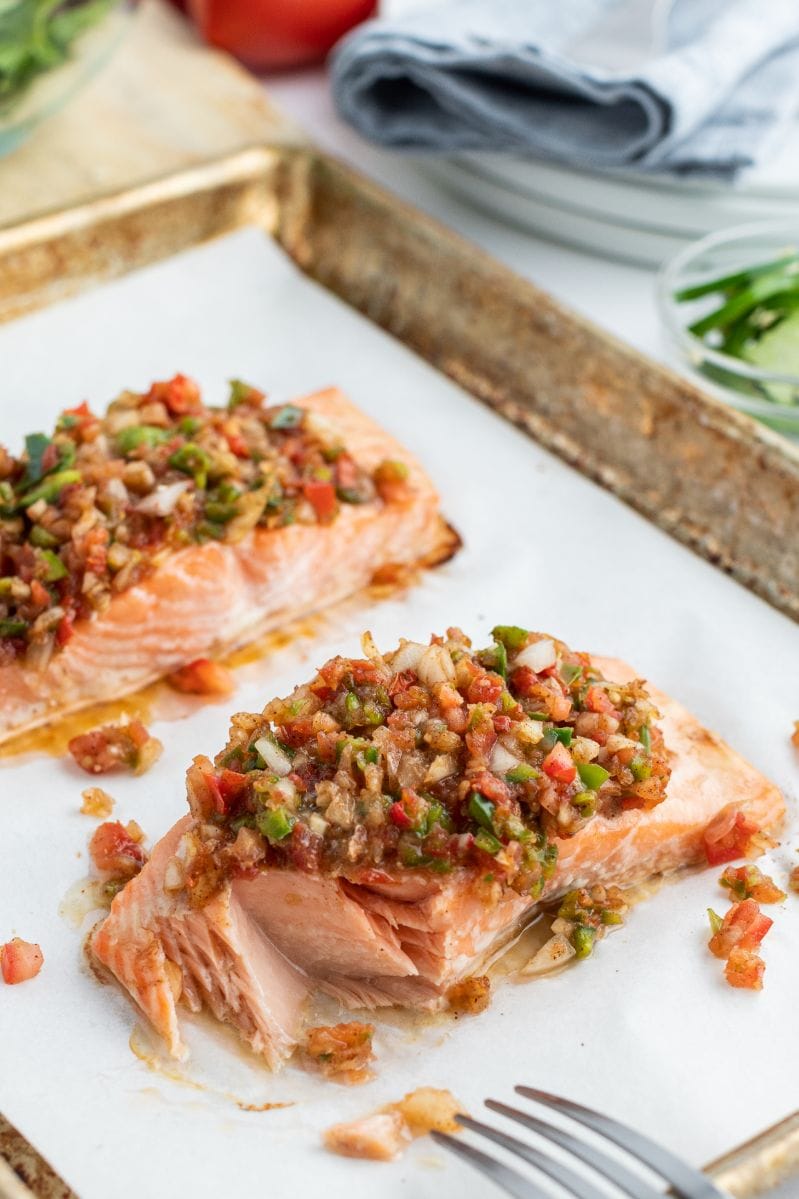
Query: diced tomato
[559, 765]
[399, 816]
[391, 480]
[39, 595]
[744, 926]
[502, 723]
[20, 960]
[491, 787]
[232, 786]
[65, 629]
[203, 677]
[332, 673]
[749, 882]
[85, 420]
[346, 472]
[485, 689]
[236, 442]
[215, 791]
[481, 737]
[322, 497]
[363, 671]
[597, 700]
[448, 697]
[402, 681]
[95, 549]
[745, 969]
[729, 836]
[524, 681]
[114, 851]
[180, 394]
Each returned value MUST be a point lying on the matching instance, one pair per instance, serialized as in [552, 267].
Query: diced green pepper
[55, 567]
[487, 842]
[569, 905]
[240, 393]
[570, 673]
[220, 513]
[715, 921]
[372, 714]
[522, 773]
[586, 802]
[646, 738]
[35, 446]
[510, 635]
[192, 460]
[501, 660]
[641, 769]
[136, 435]
[50, 487]
[481, 810]
[189, 425]
[40, 537]
[350, 495]
[287, 417]
[583, 939]
[371, 754]
[564, 735]
[351, 702]
[593, 776]
[274, 823]
[13, 628]
[608, 916]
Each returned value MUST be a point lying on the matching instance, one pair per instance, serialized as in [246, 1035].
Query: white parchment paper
[646, 1029]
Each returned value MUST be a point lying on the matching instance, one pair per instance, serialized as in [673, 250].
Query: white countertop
[618, 296]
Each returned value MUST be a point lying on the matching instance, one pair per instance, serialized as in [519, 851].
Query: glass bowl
[767, 384]
[48, 50]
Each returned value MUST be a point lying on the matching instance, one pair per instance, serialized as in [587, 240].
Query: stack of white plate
[640, 218]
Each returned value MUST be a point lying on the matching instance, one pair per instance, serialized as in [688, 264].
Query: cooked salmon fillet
[394, 936]
[210, 597]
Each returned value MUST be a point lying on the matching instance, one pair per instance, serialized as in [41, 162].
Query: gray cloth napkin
[518, 75]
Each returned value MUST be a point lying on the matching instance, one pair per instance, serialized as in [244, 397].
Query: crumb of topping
[20, 960]
[793, 879]
[116, 747]
[737, 939]
[795, 734]
[203, 677]
[429, 1109]
[380, 1137]
[470, 996]
[384, 1134]
[341, 1051]
[749, 882]
[586, 915]
[745, 969]
[116, 850]
[96, 802]
[552, 955]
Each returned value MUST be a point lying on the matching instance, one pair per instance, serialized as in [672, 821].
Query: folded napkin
[523, 76]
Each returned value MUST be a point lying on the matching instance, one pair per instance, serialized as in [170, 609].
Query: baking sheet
[646, 1029]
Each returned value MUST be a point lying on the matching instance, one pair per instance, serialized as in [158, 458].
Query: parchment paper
[646, 1029]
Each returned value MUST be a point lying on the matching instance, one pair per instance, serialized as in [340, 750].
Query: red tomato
[399, 816]
[728, 836]
[322, 496]
[20, 960]
[277, 33]
[113, 850]
[558, 764]
[597, 700]
[744, 927]
[745, 969]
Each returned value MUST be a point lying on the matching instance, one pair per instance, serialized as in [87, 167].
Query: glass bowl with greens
[731, 304]
[49, 49]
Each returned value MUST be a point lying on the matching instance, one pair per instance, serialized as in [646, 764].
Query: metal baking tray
[709, 476]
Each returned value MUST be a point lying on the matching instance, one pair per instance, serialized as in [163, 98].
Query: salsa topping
[89, 510]
[96, 802]
[116, 850]
[748, 882]
[341, 1051]
[732, 834]
[431, 756]
[116, 747]
[737, 939]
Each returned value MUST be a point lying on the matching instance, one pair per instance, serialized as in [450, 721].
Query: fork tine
[685, 1181]
[608, 1167]
[578, 1187]
[511, 1182]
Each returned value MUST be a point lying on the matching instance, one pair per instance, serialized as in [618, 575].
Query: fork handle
[761, 1163]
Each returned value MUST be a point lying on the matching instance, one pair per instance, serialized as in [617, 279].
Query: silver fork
[683, 1180]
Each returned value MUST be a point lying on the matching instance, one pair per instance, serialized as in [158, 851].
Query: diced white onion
[162, 501]
[370, 650]
[442, 766]
[615, 742]
[551, 956]
[115, 489]
[530, 731]
[407, 656]
[501, 761]
[435, 666]
[286, 789]
[317, 824]
[174, 875]
[538, 656]
[273, 755]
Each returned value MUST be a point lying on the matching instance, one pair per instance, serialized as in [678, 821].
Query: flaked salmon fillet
[215, 596]
[398, 936]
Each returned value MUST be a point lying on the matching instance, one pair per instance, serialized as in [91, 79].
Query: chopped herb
[134, 436]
